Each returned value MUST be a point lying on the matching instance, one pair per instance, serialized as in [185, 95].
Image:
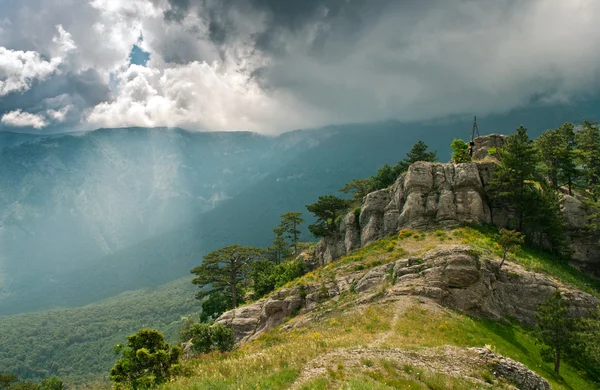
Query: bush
[146, 362]
[206, 338]
[216, 304]
[223, 338]
[460, 151]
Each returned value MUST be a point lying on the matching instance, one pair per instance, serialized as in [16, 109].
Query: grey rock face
[484, 144]
[433, 194]
[515, 372]
[456, 277]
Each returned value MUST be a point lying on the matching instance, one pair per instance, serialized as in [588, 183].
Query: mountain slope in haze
[76, 344]
[86, 216]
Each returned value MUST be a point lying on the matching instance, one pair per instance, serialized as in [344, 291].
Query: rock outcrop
[513, 371]
[456, 277]
[435, 194]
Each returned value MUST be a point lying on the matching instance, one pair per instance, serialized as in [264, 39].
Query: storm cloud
[271, 65]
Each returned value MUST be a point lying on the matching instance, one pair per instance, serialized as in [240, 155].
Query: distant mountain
[87, 216]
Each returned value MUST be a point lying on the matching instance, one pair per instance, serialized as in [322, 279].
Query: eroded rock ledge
[457, 277]
[435, 194]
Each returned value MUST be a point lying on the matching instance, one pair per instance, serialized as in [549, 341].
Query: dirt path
[354, 357]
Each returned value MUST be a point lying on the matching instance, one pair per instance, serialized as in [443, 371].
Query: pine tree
[326, 209]
[417, 153]
[551, 146]
[280, 247]
[512, 181]
[290, 223]
[555, 330]
[359, 189]
[224, 269]
[146, 361]
[568, 173]
[588, 153]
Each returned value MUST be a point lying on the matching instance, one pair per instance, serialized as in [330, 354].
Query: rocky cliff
[435, 194]
[456, 276]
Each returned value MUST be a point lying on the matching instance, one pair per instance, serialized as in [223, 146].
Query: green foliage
[290, 223]
[7, 379]
[509, 241]
[359, 189]
[588, 156]
[223, 337]
[555, 330]
[213, 306]
[267, 276]
[76, 344]
[280, 248]
[224, 269]
[326, 210]
[558, 156]
[51, 384]
[387, 175]
[516, 185]
[460, 151]
[146, 362]
[206, 338]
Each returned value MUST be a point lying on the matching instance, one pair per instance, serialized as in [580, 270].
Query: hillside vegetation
[76, 344]
[376, 342]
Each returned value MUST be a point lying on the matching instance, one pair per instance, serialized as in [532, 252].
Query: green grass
[420, 328]
[276, 358]
[532, 259]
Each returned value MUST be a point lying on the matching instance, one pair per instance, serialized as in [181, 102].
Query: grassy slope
[277, 358]
[76, 344]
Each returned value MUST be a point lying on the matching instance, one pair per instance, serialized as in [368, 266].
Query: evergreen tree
[551, 146]
[326, 209]
[280, 248]
[509, 241]
[588, 141]
[290, 223]
[146, 361]
[225, 269]
[417, 153]
[557, 156]
[359, 189]
[214, 305]
[555, 330]
[512, 181]
[568, 174]
[460, 151]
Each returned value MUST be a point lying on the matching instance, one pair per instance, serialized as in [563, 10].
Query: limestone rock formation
[485, 143]
[515, 372]
[435, 194]
[456, 277]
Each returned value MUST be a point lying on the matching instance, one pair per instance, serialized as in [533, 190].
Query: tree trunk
[503, 259]
[234, 295]
[569, 185]
[557, 361]
[295, 238]
[233, 281]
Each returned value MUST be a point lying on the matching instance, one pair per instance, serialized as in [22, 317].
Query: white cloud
[19, 69]
[64, 40]
[59, 115]
[196, 95]
[19, 118]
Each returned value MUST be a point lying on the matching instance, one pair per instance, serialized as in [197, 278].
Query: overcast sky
[275, 65]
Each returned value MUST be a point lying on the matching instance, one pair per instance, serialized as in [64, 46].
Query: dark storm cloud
[78, 91]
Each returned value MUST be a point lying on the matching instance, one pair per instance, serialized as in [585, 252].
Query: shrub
[146, 361]
[206, 338]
